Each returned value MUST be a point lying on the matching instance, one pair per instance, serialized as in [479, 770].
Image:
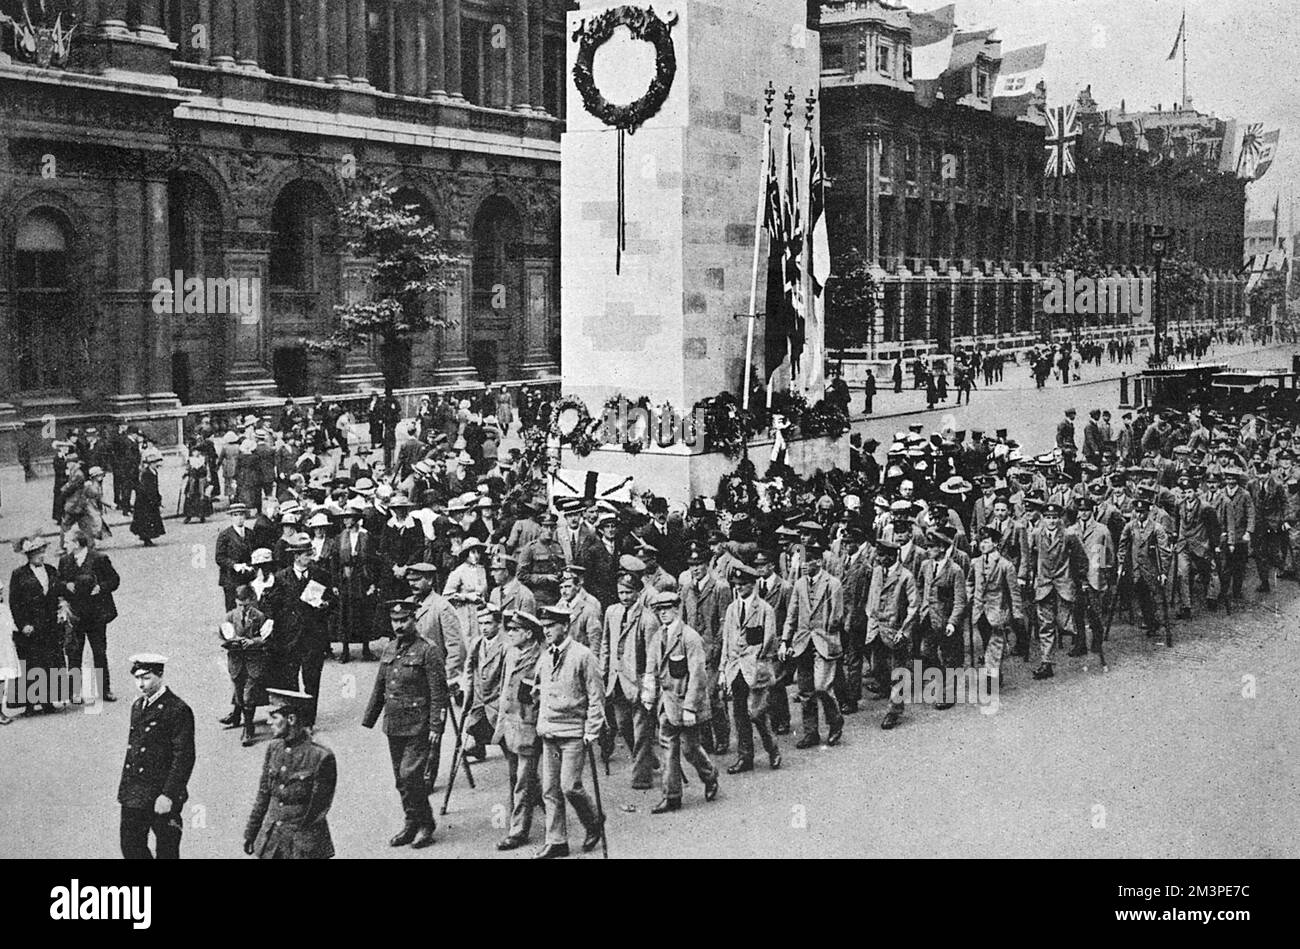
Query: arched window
[496, 227]
[301, 220]
[38, 347]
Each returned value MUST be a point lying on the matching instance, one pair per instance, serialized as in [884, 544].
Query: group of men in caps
[677, 630]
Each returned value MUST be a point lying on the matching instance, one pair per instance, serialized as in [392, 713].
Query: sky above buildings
[1242, 60]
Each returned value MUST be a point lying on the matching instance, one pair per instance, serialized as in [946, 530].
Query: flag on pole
[777, 307]
[932, 36]
[1062, 133]
[1267, 152]
[792, 259]
[1248, 155]
[1277, 214]
[1178, 40]
[819, 269]
[1020, 72]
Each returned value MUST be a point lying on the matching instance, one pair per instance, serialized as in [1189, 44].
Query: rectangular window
[907, 64]
[833, 58]
[982, 84]
[884, 60]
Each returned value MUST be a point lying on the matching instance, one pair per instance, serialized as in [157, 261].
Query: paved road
[1160, 756]
[1164, 755]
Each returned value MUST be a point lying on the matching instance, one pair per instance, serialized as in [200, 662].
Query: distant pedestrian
[147, 522]
[898, 374]
[869, 391]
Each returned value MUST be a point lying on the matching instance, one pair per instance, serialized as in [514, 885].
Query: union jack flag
[1251, 147]
[1062, 134]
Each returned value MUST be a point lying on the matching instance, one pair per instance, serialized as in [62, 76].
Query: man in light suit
[994, 600]
[676, 684]
[1099, 549]
[892, 607]
[811, 639]
[705, 598]
[749, 645]
[1053, 562]
[776, 591]
[628, 630]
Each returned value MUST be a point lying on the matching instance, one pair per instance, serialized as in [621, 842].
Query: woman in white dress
[467, 586]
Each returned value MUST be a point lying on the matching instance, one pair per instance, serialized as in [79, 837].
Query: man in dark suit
[411, 692]
[159, 761]
[600, 556]
[234, 550]
[304, 625]
[125, 463]
[34, 597]
[89, 581]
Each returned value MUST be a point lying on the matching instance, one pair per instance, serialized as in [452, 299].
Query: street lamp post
[1157, 244]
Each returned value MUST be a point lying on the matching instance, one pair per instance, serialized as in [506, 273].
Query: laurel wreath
[643, 24]
[580, 439]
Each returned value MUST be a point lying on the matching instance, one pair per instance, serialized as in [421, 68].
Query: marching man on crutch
[516, 727]
[570, 715]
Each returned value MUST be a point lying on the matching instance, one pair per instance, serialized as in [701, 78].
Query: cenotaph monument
[658, 213]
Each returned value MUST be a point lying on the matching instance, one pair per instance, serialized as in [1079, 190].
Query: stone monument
[662, 316]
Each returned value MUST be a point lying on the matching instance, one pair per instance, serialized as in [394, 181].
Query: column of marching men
[560, 629]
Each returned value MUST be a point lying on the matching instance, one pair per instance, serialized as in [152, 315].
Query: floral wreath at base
[580, 439]
[643, 24]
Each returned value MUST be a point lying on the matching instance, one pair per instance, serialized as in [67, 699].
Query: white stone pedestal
[666, 326]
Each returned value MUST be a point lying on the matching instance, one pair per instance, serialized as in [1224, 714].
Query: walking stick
[600, 808]
[457, 755]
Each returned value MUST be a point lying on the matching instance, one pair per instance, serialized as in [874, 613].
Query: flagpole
[1184, 55]
[769, 94]
[786, 157]
[811, 351]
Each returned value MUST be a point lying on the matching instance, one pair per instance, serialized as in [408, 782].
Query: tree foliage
[407, 265]
[1182, 285]
[851, 301]
[1269, 291]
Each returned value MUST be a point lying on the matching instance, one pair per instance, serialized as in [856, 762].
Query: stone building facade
[219, 138]
[948, 202]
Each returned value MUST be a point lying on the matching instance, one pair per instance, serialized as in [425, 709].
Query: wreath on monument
[572, 424]
[643, 24]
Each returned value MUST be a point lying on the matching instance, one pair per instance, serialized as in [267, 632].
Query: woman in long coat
[467, 586]
[84, 510]
[197, 503]
[38, 632]
[146, 522]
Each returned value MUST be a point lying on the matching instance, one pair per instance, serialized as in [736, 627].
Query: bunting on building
[1062, 135]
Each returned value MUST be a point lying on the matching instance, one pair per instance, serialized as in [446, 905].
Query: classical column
[338, 41]
[435, 22]
[421, 49]
[358, 35]
[246, 32]
[113, 16]
[451, 47]
[157, 336]
[519, 71]
[412, 73]
[221, 33]
[536, 56]
[454, 364]
[153, 19]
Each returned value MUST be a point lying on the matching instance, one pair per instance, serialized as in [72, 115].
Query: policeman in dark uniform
[543, 559]
[411, 691]
[159, 761]
[289, 817]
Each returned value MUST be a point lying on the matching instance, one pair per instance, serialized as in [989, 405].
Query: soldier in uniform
[1052, 563]
[517, 725]
[543, 559]
[411, 691]
[676, 685]
[289, 820]
[811, 640]
[749, 644]
[159, 761]
[570, 716]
